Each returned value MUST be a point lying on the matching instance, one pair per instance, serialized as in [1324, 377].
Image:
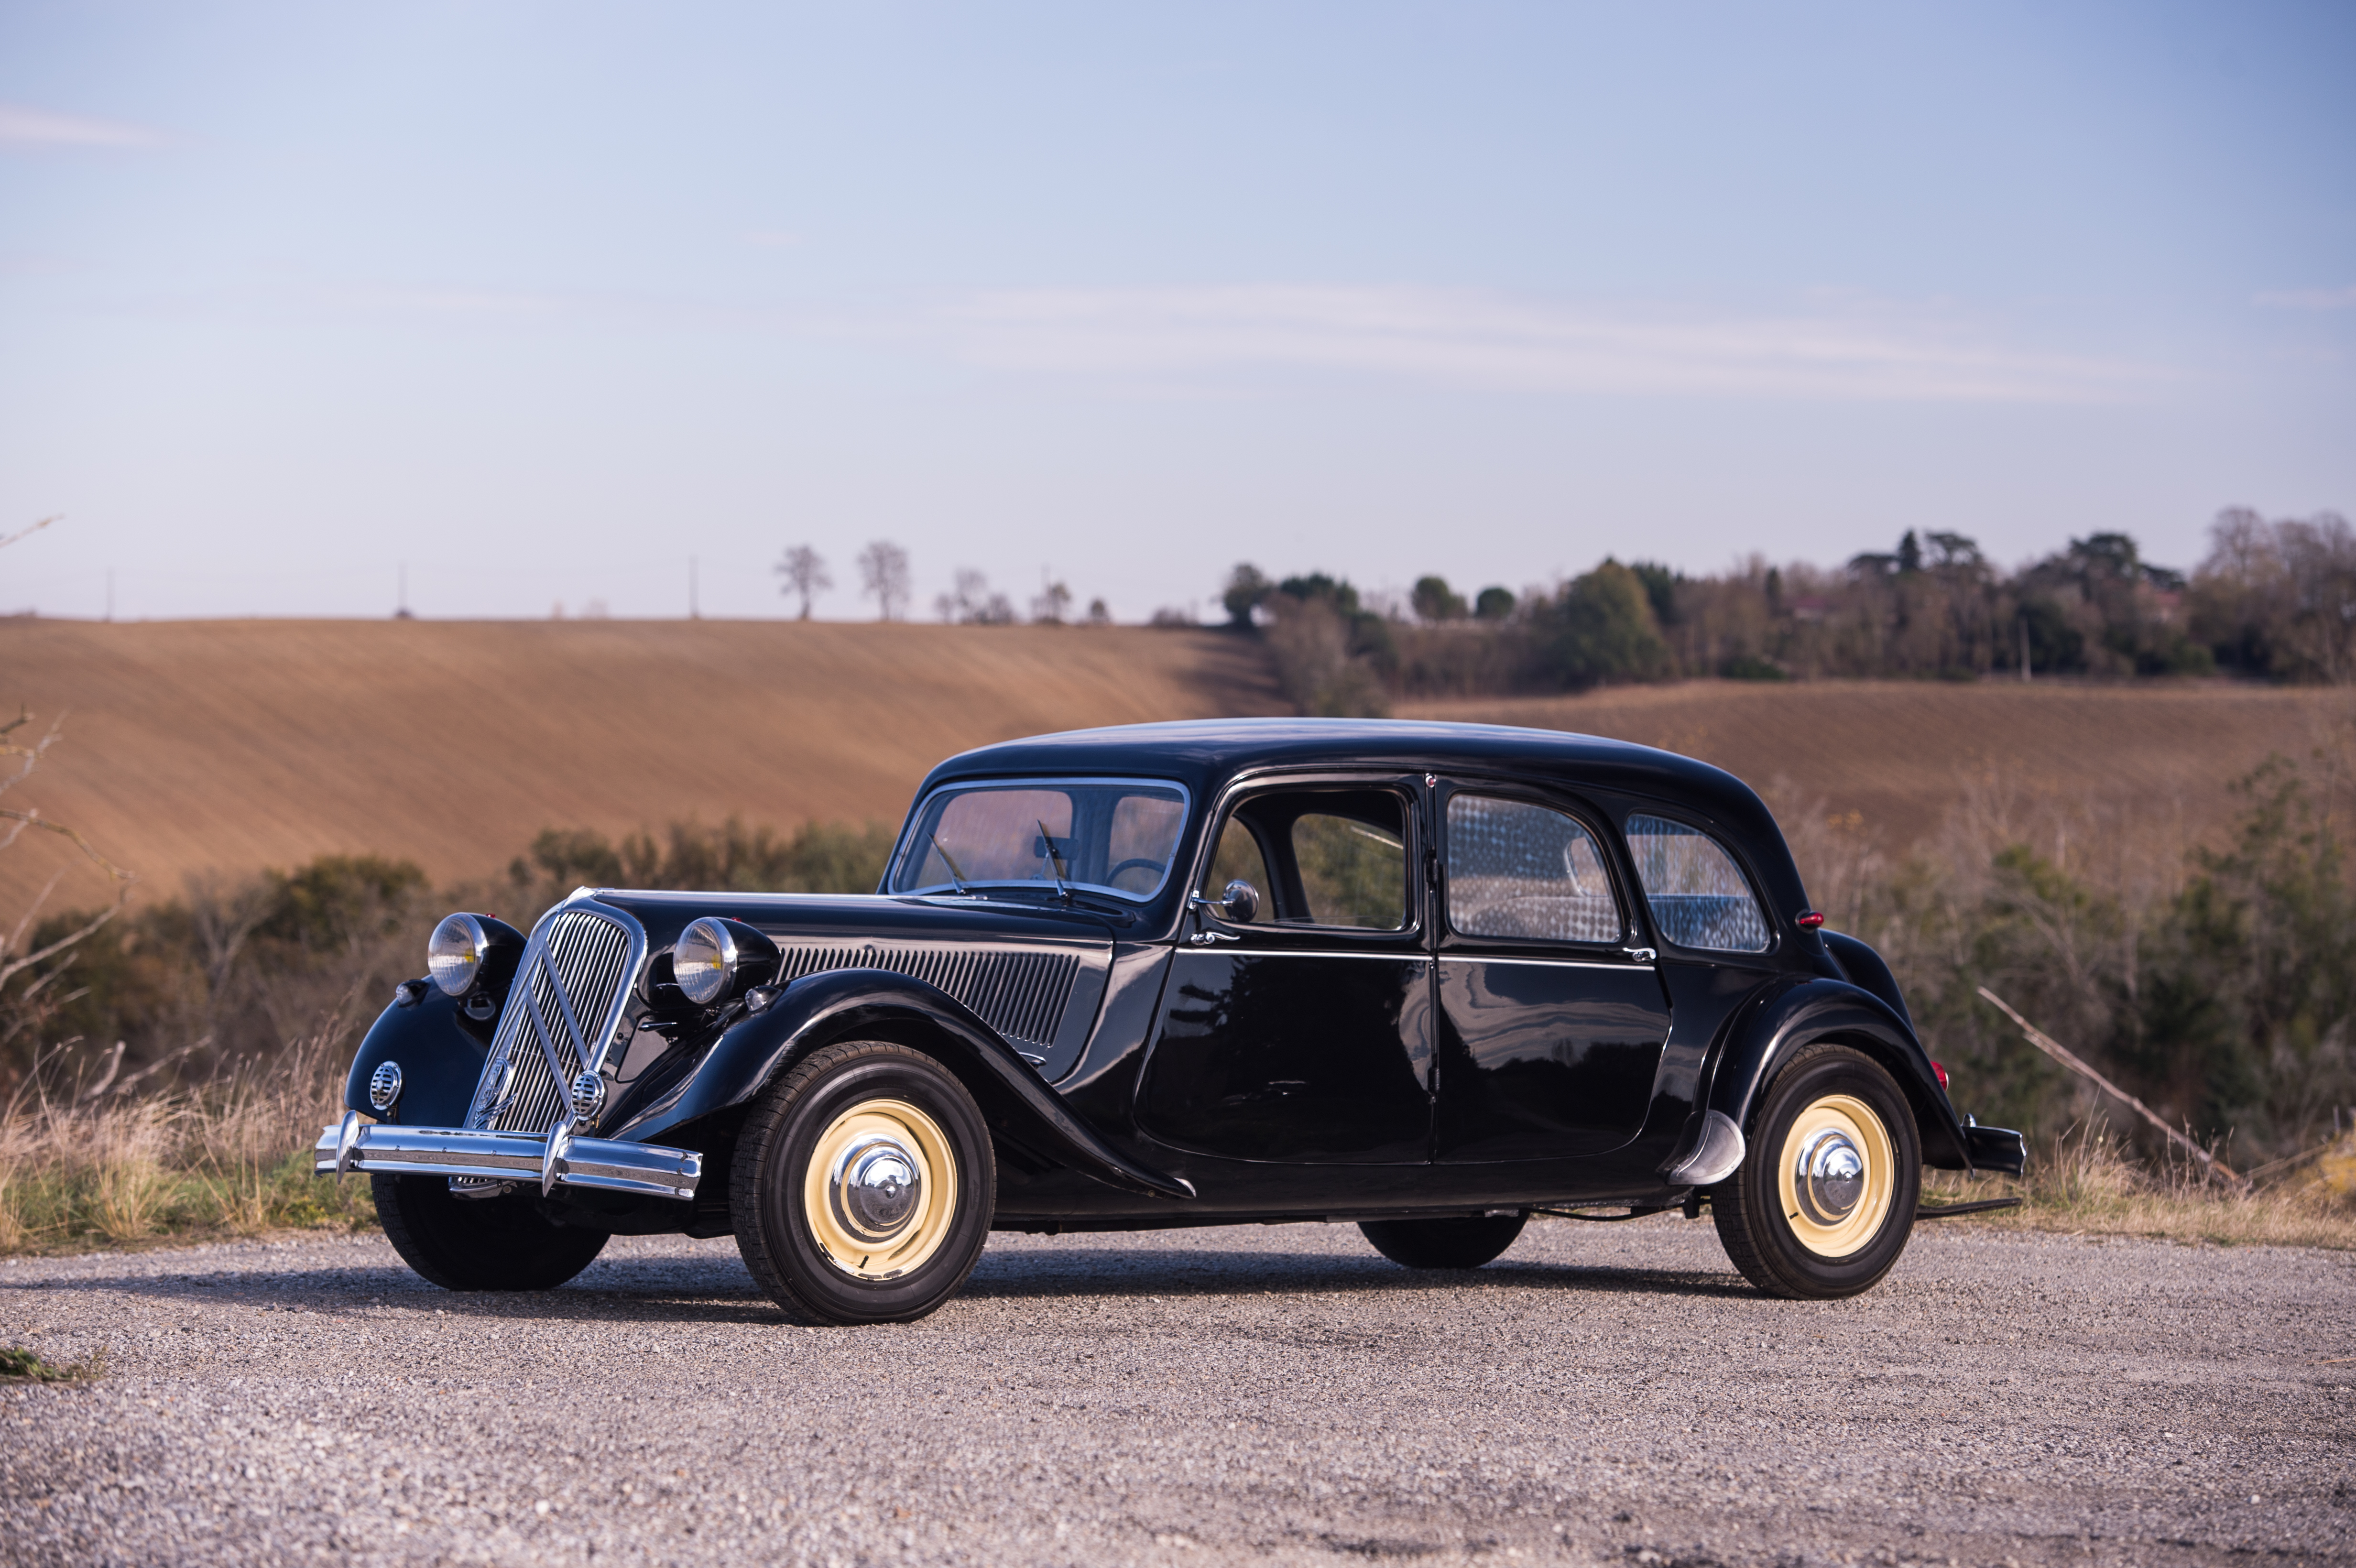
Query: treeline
[243, 969]
[2275, 600]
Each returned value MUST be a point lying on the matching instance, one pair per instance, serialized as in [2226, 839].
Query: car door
[1302, 1034]
[1550, 1021]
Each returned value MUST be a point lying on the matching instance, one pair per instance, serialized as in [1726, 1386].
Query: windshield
[1108, 835]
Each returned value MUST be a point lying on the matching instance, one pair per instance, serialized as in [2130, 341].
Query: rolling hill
[230, 745]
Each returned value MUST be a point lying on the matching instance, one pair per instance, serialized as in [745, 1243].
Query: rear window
[1699, 896]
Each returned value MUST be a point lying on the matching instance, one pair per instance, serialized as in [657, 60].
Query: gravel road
[1602, 1394]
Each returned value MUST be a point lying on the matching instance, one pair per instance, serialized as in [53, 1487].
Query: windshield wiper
[1055, 861]
[957, 878]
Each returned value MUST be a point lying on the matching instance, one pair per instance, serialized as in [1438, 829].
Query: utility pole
[693, 613]
[110, 593]
[401, 612]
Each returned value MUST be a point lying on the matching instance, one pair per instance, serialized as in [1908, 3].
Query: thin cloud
[25, 127]
[1481, 339]
[2310, 299]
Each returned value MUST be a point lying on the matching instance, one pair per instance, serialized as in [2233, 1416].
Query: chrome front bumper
[560, 1160]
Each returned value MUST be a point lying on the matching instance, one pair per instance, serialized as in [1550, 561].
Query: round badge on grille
[588, 1096]
[384, 1086]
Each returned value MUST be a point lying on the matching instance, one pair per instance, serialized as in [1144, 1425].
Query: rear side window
[1516, 870]
[1699, 895]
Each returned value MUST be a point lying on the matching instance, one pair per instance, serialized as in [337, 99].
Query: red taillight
[1943, 1076]
[1809, 920]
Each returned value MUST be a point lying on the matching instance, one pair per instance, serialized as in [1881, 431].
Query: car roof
[1204, 754]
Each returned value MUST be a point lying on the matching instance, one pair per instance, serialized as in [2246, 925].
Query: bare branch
[26, 533]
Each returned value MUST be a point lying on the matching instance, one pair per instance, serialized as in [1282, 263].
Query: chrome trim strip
[1629, 969]
[559, 1161]
[1413, 956]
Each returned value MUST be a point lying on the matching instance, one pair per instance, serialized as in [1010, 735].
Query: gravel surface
[1603, 1393]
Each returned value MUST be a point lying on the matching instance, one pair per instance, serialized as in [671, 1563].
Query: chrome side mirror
[1238, 903]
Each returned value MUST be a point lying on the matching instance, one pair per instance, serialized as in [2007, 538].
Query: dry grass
[2087, 1182]
[231, 1155]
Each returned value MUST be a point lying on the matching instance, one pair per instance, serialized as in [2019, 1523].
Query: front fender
[441, 1061]
[876, 1004]
[1822, 1010]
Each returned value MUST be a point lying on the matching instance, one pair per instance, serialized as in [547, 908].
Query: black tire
[799, 1230]
[478, 1243]
[1804, 1245]
[1465, 1242]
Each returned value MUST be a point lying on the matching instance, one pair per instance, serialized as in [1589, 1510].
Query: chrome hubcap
[874, 1188]
[1829, 1176]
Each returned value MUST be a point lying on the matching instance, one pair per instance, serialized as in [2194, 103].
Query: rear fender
[876, 1004]
[439, 1055]
[1819, 1010]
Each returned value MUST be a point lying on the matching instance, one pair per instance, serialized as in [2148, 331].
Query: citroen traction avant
[1428, 979]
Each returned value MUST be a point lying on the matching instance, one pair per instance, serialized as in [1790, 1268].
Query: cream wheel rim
[880, 1189]
[1838, 1173]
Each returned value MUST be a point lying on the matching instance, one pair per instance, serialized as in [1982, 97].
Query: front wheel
[1823, 1199]
[477, 1243]
[863, 1185]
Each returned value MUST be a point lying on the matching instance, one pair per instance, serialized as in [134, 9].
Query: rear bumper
[1995, 1148]
[558, 1160]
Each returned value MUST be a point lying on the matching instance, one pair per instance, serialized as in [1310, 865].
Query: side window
[1238, 858]
[1318, 857]
[1516, 870]
[1353, 873]
[1697, 895]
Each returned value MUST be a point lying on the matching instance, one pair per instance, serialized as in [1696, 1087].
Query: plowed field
[236, 744]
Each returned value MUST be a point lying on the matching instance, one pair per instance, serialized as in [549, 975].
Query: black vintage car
[1431, 978]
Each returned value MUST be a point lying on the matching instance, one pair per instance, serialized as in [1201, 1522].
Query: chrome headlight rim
[704, 961]
[456, 954]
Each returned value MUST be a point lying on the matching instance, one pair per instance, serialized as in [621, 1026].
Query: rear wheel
[863, 1185]
[1823, 1199]
[1466, 1243]
[478, 1243]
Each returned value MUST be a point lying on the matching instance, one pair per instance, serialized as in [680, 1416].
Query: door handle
[1205, 938]
[1641, 955]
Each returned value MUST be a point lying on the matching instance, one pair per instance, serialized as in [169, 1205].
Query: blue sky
[545, 300]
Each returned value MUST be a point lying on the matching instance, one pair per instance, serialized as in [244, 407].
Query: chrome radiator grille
[1020, 995]
[589, 955]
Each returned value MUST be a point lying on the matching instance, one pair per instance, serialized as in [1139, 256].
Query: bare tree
[1053, 601]
[972, 604]
[883, 577]
[805, 574]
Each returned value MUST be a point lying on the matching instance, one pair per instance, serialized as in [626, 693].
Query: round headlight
[705, 961]
[454, 956]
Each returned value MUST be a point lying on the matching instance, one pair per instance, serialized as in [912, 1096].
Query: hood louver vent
[1020, 995]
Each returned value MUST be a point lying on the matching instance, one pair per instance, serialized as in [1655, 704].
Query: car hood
[799, 919]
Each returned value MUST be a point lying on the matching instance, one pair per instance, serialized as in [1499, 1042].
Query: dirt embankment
[236, 744]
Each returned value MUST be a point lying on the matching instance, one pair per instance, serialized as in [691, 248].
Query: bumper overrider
[559, 1159]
